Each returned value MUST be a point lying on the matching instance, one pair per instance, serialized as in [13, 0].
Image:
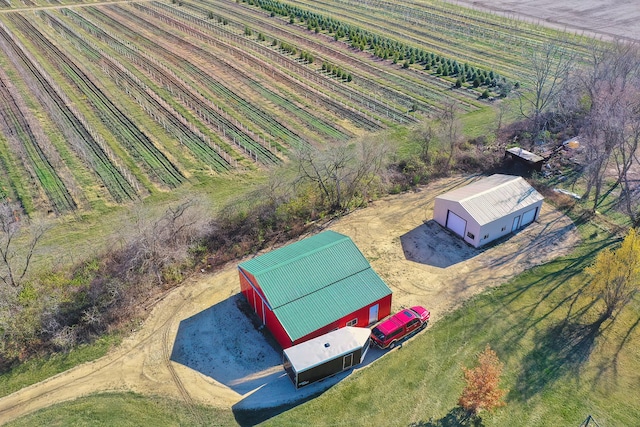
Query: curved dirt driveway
[174, 354]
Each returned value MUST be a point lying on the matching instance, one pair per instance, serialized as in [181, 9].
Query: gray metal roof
[315, 351]
[494, 197]
[526, 155]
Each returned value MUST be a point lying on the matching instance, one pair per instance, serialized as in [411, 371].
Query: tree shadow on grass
[457, 417]
[559, 350]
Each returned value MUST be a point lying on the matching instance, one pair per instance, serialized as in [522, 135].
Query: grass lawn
[560, 366]
[126, 409]
[39, 369]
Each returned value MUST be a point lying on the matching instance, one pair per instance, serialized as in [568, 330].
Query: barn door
[456, 223]
[529, 216]
[516, 223]
[347, 361]
[373, 313]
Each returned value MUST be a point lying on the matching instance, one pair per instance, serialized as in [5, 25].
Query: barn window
[503, 228]
[352, 322]
[470, 235]
[486, 236]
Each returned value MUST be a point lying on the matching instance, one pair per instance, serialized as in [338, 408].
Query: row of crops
[136, 98]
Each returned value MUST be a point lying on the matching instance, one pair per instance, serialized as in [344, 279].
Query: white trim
[255, 289]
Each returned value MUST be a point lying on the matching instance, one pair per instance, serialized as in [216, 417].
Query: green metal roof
[315, 281]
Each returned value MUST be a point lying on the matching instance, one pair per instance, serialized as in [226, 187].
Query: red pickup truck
[405, 322]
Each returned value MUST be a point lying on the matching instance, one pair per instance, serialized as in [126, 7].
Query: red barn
[314, 286]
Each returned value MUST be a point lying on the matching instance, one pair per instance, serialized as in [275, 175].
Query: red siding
[273, 324]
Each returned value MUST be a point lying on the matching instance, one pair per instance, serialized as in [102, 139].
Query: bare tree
[424, 136]
[612, 126]
[450, 131]
[341, 173]
[550, 67]
[16, 250]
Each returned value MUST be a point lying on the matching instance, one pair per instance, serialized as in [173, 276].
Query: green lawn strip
[35, 370]
[17, 177]
[126, 409]
[556, 370]
[46, 175]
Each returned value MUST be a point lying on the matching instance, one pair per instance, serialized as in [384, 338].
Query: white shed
[488, 209]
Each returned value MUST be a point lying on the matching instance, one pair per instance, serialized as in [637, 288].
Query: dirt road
[198, 346]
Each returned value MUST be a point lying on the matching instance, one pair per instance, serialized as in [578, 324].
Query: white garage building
[488, 209]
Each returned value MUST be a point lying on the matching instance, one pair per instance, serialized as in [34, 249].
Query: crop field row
[82, 139]
[156, 107]
[27, 139]
[487, 40]
[290, 72]
[310, 72]
[143, 95]
[135, 142]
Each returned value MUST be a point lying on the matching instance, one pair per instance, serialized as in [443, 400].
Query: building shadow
[222, 343]
[431, 244]
[226, 345]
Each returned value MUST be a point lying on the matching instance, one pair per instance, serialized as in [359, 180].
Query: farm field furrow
[278, 66]
[23, 131]
[181, 90]
[244, 107]
[82, 140]
[160, 111]
[139, 146]
[416, 35]
[395, 87]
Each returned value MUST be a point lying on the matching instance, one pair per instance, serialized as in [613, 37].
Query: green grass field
[126, 409]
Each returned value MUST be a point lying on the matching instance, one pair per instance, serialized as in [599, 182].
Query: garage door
[529, 216]
[456, 224]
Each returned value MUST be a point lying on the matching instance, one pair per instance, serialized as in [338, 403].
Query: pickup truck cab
[407, 321]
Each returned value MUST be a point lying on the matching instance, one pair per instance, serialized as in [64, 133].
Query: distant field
[610, 18]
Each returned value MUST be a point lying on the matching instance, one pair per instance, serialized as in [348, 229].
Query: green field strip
[188, 98]
[139, 146]
[76, 132]
[240, 17]
[59, 198]
[242, 75]
[498, 43]
[186, 95]
[169, 118]
[14, 177]
[172, 121]
[385, 39]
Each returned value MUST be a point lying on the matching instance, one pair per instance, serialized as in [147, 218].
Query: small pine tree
[485, 94]
[458, 83]
[482, 391]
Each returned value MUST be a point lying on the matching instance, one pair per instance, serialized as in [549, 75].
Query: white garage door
[529, 216]
[456, 224]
